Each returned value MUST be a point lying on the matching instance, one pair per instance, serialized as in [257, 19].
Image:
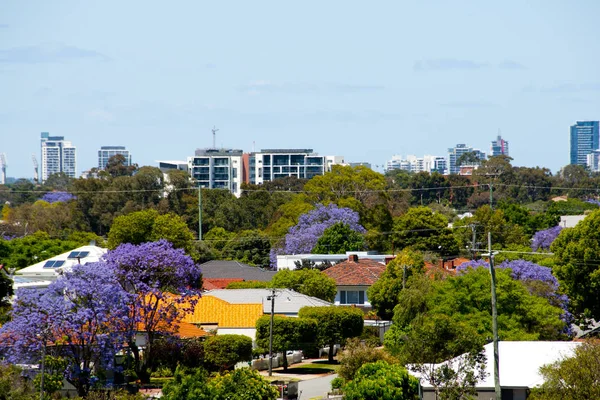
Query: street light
[272, 299]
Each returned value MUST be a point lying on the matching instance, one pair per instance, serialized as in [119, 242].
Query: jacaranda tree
[303, 237]
[544, 238]
[164, 283]
[78, 317]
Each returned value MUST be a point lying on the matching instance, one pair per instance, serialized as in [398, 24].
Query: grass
[317, 367]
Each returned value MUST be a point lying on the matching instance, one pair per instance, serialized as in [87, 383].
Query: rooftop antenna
[214, 132]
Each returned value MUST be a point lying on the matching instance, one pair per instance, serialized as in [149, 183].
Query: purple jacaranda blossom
[80, 317]
[538, 279]
[303, 237]
[55, 197]
[164, 282]
[593, 201]
[543, 239]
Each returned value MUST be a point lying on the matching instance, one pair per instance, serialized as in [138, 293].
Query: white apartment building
[270, 164]
[454, 154]
[427, 163]
[58, 155]
[593, 161]
[217, 169]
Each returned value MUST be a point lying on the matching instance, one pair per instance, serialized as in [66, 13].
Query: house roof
[520, 362]
[187, 331]
[355, 272]
[51, 267]
[286, 301]
[212, 310]
[234, 269]
[218, 283]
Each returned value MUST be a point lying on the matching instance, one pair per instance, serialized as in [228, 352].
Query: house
[520, 364]
[220, 269]
[288, 261]
[569, 221]
[43, 273]
[236, 311]
[353, 277]
[218, 283]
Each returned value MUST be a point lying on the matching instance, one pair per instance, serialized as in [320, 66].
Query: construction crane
[35, 169]
[214, 132]
[3, 169]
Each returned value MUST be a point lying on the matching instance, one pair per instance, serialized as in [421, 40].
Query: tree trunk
[285, 363]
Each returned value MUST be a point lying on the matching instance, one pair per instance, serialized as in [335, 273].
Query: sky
[364, 80]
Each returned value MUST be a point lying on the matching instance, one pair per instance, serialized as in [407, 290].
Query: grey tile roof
[234, 269]
[286, 301]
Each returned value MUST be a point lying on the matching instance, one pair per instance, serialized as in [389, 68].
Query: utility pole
[272, 298]
[199, 211]
[494, 322]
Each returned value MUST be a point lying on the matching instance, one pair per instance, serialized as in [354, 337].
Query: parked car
[325, 350]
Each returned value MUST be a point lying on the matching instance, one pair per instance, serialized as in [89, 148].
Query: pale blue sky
[365, 80]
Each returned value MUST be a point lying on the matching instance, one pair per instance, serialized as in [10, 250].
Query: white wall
[250, 332]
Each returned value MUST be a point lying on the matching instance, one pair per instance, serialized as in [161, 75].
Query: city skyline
[364, 81]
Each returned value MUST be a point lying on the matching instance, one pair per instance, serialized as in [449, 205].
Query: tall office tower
[584, 139]
[106, 152]
[454, 154]
[270, 164]
[499, 147]
[58, 155]
[217, 169]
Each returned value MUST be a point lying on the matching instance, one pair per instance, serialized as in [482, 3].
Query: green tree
[383, 294]
[248, 285]
[421, 229]
[222, 352]
[358, 353]
[338, 239]
[453, 316]
[250, 246]
[147, 226]
[117, 166]
[574, 378]
[335, 324]
[13, 386]
[310, 282]
[382, 381]
[577, 251]
[345, 181]
[288, 334]
[491, 220]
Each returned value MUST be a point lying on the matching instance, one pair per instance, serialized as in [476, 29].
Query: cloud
[468, 104]
[511, 65]
[448, 64]
[48, 53]
[265, 86]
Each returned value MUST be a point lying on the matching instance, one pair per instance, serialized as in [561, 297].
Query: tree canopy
[310, 282]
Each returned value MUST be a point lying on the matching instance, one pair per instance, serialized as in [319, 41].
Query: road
[315, 388]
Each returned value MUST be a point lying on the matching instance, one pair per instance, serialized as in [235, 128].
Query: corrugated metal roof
[286, 301]
[234, 269]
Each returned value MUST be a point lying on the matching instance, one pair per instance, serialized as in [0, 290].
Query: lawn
[317, 367]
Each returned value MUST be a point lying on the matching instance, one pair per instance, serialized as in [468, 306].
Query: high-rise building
[454, 154]
[217, 169]
[413, 163]
[499, 147]
[58, 155]
[270, 164]
[593, 161]
[584, 139]
[106, 152]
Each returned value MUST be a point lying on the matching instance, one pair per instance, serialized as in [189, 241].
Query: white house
[520, 364]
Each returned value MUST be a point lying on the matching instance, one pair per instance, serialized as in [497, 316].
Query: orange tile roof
[211, 310]
[218, 283]
[187, 330]
[362, 272]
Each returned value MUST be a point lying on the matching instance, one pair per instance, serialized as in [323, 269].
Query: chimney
[353, 258]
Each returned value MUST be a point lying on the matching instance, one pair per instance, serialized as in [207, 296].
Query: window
[54, 264]
[352, 297]
[79, 254]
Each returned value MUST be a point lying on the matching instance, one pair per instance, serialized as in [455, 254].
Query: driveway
[315, 388]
